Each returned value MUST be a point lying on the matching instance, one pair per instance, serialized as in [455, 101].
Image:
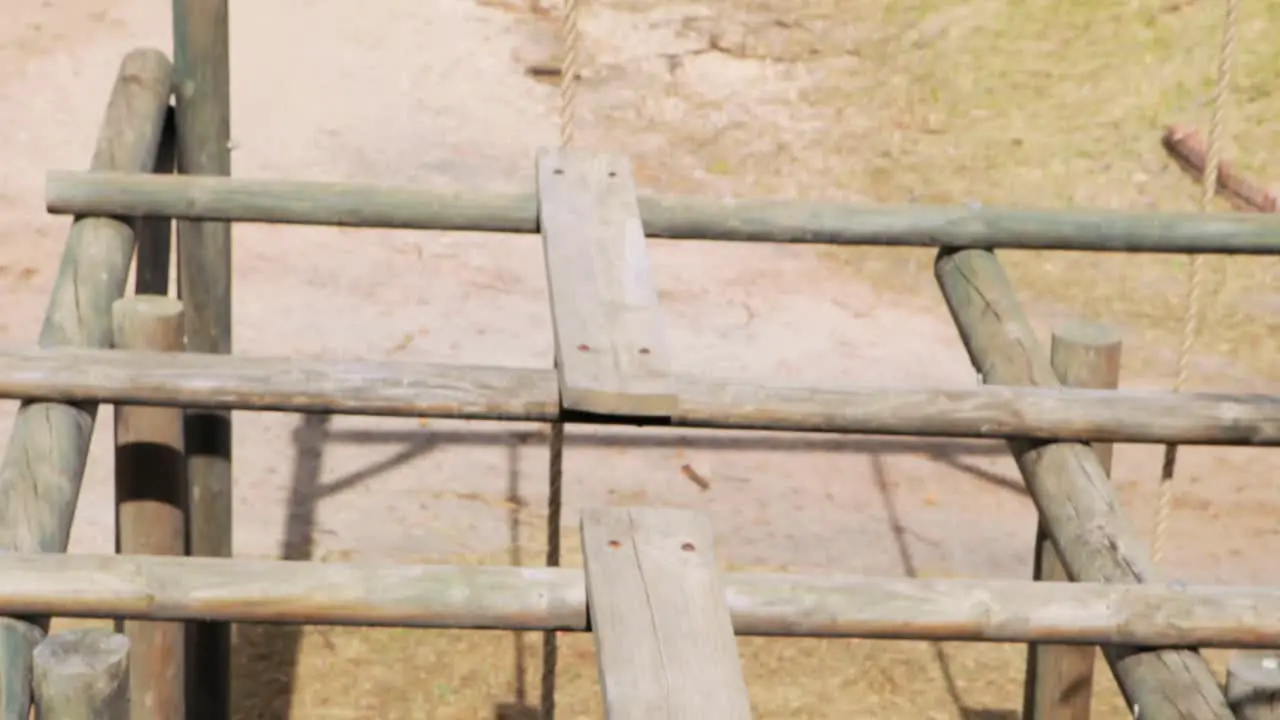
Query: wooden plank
[525, 598]
[663, 635]
[44, 460]
[202, 104]
[611, 349]
[151, 504]
[1059, 682]
[390, 388]
[1072, 491]
[82, 675]
[749, 220]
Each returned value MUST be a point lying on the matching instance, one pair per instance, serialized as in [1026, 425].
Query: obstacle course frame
[612, 367]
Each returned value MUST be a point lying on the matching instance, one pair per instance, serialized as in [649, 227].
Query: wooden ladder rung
[664, 638]
[611, 352]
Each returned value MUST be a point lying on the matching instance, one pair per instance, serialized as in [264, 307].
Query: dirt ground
[437, 92]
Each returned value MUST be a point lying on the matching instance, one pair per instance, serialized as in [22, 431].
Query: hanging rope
[568, 93]
[1191, 323]
[569, 71]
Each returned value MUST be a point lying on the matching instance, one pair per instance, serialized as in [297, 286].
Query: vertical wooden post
[45, 456]
[151, 503]
[1253, 685]
[82, 675]
[1059, 682]
[202, 83]
[155, 234]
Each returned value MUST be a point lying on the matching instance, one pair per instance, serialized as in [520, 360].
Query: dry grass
[1029, 104]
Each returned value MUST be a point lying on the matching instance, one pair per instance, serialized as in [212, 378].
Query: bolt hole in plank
[602, 297]
[664, 639]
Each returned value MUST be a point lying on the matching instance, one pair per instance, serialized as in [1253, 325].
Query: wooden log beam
[202, 103]
[403, 389]
[409, 207]
[1186, 147]
[1071, 490]
[17, 638]
[1059, 682]
[82, 675]
[525, 598]
[151, 504]
[611, 346]
[44, 460]
[664, 639]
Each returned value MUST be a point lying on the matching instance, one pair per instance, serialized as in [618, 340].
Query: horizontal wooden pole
[358, 387]
[369, 205]
[517, 598]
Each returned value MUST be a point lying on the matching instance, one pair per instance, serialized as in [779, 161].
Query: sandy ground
[435, 92]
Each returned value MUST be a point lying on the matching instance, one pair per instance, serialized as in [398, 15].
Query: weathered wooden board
[663, 633]
[611, 350]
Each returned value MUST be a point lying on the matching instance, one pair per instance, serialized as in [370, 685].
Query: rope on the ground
[1191, 321]
[568, 94]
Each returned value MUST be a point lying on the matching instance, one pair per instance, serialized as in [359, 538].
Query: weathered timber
[1070, 488]
[155, 234]
[202, 100]
[17, 638]
[1059, 682]
[664, 639]
[409, 207]
[359, 387]
[525, 598]
[1185, 145]
[82, 675]
[151, 504]
[1253, 685]
[611, 348]
[45, 457]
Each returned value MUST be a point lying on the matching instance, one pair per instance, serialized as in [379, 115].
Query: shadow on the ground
[909, 567]
[950, 452]
[266, 656]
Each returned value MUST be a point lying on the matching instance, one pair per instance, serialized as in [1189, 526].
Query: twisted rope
[550, 650]
[569, 71]
[555, 496]
[1191, 323]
